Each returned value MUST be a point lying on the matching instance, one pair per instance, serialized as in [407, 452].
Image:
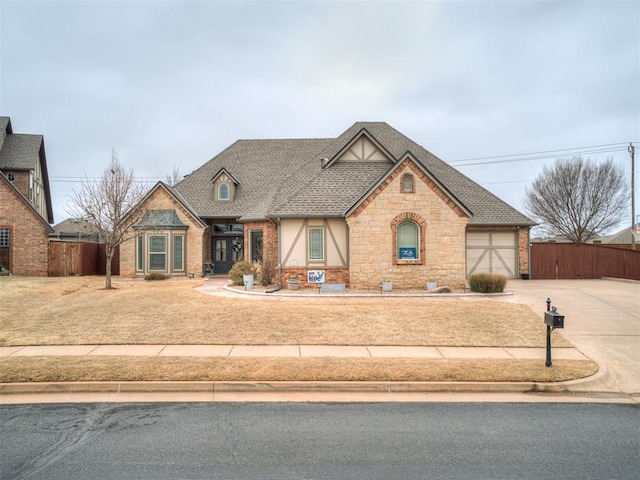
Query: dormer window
[224, 186]
[223, 191]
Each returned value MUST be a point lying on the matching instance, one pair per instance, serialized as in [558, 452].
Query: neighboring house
[368, 206]
[621, 239]
[75, 230]
[25, 202]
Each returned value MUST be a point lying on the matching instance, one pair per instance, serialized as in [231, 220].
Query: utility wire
[541, 155]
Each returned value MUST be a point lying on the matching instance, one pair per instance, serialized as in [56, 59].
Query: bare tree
[579, 199]
[174, 177]
[105, 203]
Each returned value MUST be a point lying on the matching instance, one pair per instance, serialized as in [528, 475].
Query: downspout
[279, 287]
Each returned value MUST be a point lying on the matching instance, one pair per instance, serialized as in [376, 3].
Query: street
[265, 441]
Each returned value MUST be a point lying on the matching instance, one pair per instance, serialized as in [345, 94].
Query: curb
[282, 387]
[419, 294]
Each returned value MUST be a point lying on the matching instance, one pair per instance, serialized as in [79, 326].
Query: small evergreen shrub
[156, 276]
[239, 269]
[487, 282]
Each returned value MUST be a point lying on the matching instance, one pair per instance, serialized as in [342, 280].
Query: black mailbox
[554, 319]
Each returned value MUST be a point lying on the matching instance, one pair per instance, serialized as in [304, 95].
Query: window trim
[422, 227]
[409, 177]
[150, 253]
[416, 228]
[5, 238]
[254, 234]
[139, 253]
[228, 192]
[174, 257]
[310, 258]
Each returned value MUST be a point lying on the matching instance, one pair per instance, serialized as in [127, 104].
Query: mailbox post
[553, 320]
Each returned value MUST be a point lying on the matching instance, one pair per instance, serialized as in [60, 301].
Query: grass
[78, 311]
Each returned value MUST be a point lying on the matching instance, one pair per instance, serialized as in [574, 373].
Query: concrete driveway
[602, 320]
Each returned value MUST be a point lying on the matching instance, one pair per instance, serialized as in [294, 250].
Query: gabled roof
[24, 152]
[409, 157]
[223, 171]
[176, 196]
[22, 199]
[291, 178]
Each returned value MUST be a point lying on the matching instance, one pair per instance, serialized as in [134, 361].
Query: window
[178, 253]
[223, 192]
[256, 245]
[4, 237]
[316, 244]
[158, 253]
[408, 241]
[407, 183]
[11, 177]
[139, 253]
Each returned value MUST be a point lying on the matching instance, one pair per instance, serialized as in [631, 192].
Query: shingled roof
[301, 178]
[23, 152]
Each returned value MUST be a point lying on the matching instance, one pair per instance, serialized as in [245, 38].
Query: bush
[239, 269]
[156, 276]
[267, 272]
[487, 282]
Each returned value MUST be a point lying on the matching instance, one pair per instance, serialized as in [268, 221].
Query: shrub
[267, 272]
[239, 269]
[156, 276]
[487, 282]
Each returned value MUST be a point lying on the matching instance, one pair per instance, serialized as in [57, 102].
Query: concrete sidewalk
[306, 351]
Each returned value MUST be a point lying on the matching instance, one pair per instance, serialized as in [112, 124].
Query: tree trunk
[109, 254]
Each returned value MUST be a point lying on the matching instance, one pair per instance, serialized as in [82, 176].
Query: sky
[169, 84]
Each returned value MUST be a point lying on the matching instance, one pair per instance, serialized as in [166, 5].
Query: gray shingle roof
[287, 178]
[20, 152]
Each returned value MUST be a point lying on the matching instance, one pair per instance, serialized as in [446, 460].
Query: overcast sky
[172, 83]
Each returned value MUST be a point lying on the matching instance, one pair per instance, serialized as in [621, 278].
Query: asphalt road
[319, 441]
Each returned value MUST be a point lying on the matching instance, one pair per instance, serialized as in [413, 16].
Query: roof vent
[325, 160]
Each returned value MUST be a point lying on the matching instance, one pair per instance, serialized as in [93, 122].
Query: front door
[226, 251]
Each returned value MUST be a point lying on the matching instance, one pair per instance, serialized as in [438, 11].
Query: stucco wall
[372, 237]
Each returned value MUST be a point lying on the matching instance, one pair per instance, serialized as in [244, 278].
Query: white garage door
[494, 252]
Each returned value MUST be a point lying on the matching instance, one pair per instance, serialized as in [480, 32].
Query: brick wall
[372, 237]
[332, 275]
[28, 234]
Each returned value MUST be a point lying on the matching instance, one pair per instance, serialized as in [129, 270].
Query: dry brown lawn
[78, 311]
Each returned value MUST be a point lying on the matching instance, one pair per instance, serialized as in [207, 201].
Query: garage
[494, 252]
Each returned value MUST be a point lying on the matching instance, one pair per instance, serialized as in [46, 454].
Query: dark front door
[226, 251]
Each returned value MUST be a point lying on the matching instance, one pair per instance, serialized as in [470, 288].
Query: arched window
[408, 241]
[223, 192]
[407, 183]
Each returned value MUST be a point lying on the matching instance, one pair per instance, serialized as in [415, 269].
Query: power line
[542, 155]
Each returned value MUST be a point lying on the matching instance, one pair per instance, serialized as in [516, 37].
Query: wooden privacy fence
[581, 260]
[80, 258]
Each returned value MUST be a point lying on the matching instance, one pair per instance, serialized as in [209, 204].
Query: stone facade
[160, 199]
[28, 251]
[442, 223]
